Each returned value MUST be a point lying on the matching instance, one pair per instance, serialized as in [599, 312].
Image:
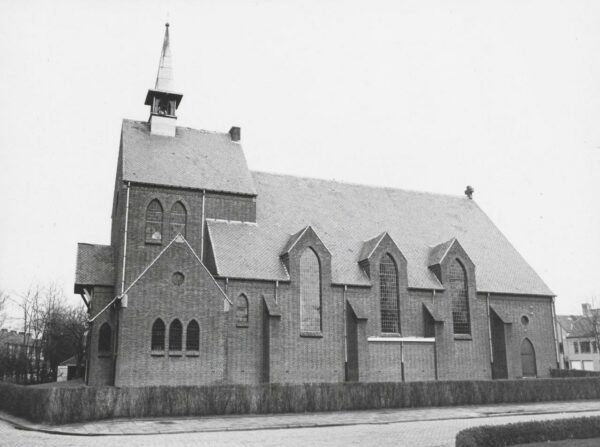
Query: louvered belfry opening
[459, 293]
[388, 292]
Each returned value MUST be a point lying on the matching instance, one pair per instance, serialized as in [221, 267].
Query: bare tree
[3, 304]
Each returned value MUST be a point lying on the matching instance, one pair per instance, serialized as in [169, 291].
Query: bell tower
[163, 100]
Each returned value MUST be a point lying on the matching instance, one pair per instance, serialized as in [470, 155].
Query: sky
[429, 96]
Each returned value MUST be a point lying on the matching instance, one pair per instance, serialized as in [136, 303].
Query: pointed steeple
[163, 100]
[164, 77]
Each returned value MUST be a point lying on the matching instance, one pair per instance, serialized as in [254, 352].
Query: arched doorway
[528, 359]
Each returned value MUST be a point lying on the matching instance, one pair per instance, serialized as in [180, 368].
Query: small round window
[524, 320]
[178, 278]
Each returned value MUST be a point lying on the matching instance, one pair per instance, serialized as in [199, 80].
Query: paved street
[417, 433]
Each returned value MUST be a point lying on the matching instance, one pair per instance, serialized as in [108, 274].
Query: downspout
[276, 290]
[202, 228]
[555, 338]
[487, 298]
[402, 359]
[116, 342]
[345, 316]
[435, 342]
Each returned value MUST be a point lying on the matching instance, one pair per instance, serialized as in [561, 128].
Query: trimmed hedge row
[573, 373]
[527, 432]
[64, 405]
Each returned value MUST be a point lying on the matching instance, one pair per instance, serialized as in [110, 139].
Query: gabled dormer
[163, 100]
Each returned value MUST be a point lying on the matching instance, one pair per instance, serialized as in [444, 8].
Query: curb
[20, 426]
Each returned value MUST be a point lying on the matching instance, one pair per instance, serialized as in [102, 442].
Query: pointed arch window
[459, 293]
[154, 222]
[158, 335]
[175, 335]
[192, 336]
[178, 219]
[105, 339]
[310, 292]
[241, 311]
[388, 295]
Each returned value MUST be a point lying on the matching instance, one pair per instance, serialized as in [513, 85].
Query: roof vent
[469, 192]
[235, 133]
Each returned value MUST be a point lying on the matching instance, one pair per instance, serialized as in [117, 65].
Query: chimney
[235, 133]
[469, 192]
[587, 309]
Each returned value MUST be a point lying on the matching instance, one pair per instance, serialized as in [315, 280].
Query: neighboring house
[16, 343]
[21, 355]
[578, 339]
[218, 274]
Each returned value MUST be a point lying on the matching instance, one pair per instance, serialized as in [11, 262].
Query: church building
[216, 274]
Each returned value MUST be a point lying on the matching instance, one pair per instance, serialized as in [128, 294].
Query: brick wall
[100, 367]
[156, 296]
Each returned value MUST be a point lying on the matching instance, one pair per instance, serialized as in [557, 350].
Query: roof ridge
[364, 185]
[180, 127]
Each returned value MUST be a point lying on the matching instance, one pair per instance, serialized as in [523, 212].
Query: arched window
[178, 219]
[388, 295]
[310, 292]
[459, 292]
[105, 338]
[241, 311]
[175, 334]
[192, 337]
[158, 335]
[154, 222]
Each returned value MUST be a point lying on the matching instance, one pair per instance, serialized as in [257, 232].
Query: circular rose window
[178, 278]
[524, 320]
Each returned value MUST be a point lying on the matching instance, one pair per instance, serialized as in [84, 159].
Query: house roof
[94, 266]
[194, 159]
[566, 321]
[582, 327]
[345, 215]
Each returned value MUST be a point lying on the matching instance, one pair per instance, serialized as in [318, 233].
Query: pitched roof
[582, 327]
[566, 321]
[191, 159]
[437, 253]
[94, 266]
[345, 215]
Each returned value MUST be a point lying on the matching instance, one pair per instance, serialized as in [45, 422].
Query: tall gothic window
[241, 311]
[388, 295]
[158, 335]
[192, 336]
[459, 292]
[154, 222]
[310, 292]
[175, 335]
[105, 338]
[178, 219]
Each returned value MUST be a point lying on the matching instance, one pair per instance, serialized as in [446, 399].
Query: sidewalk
[301, 420]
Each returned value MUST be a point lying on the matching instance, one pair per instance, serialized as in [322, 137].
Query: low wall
[65, 405]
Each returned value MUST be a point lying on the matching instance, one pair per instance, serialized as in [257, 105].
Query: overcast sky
[429, 96]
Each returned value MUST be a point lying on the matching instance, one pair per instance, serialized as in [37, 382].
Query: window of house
[388, 295]
[241, 311]
[105, 338]
[158, 335]
[459, 293]
[310, 292]
[585, 347]
[595, 347]
[178, 219]
[588, 365]
[192, 339]
[576, 347]
[560, 347]
[175, 335]
[576, 364]
[154, 222]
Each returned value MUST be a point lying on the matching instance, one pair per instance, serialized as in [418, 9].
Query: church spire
[164, 77]
[163, 100]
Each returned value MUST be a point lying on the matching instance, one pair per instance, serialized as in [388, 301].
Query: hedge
[65, 405]
[527, 432]
[573, 373]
